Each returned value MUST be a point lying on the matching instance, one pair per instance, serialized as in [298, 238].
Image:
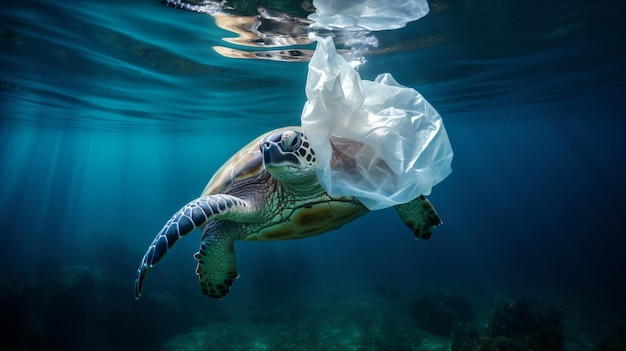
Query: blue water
[114, 114]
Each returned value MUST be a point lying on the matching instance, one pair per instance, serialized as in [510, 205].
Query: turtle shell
[246, 163]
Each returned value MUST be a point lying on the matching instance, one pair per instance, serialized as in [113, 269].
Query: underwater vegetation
[513, 326]
[78, 307]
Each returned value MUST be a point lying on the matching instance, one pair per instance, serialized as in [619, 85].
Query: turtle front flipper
[420, 216]
[188, 218]
[217, 267]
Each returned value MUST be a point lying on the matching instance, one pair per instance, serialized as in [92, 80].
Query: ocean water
[115, 114]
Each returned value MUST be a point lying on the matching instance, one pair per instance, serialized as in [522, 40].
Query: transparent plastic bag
[367, 14]
[378, 141]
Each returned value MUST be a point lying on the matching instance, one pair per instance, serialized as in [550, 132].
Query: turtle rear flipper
[420, 216]
[183, 222]
[217, 268]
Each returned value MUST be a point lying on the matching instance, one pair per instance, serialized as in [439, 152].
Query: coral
[513, 326]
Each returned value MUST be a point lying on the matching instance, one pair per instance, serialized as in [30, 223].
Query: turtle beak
[273, 155]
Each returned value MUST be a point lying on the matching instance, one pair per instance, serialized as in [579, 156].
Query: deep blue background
[114, 115]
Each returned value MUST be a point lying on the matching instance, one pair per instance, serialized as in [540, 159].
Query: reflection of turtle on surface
[266, 191]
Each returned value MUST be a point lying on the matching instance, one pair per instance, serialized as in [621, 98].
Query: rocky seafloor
[86, 308]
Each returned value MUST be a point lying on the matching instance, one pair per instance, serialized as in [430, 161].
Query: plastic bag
[367, 14]
[378, 141]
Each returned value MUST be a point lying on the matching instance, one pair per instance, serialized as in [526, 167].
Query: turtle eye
[291, 141]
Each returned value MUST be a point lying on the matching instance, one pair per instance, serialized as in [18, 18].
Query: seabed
[79, 307]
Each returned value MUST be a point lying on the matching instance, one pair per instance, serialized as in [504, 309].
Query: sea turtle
[266, 191]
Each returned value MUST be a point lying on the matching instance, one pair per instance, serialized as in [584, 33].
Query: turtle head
[288, 156]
